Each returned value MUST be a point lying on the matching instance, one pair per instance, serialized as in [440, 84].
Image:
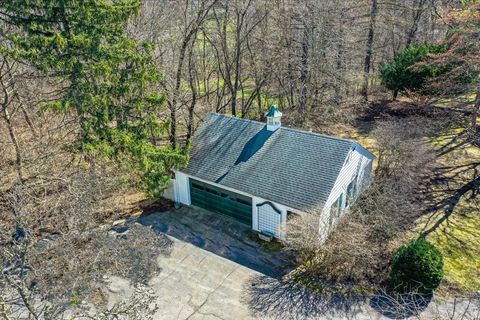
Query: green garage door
[219, 200]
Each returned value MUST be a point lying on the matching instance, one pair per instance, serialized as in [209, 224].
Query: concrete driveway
[215, 271]
[218, 234]
[212, 263]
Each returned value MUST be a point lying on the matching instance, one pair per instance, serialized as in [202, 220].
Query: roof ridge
[319, 134]
[286, 128]
[232, 117]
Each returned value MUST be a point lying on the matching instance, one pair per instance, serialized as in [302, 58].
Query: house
[261, 173]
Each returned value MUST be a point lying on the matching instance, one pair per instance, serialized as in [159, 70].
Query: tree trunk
[417, 14]
[13, 137]
[259, 103]
[189, 33]
[29, 121]
[340, 76]
[368, 56]
[234, 101]
[176, 92]
[237, 71]
[395, 95]
[304, 73]
[9, 93]
[193, 102]
[476, 112]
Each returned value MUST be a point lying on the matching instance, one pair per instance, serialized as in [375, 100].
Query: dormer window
[273, 118]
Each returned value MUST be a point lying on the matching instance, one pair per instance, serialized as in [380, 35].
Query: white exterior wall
[182, 188]
[358, 162]
[182, 195]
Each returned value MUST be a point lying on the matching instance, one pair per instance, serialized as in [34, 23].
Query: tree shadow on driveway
[220, 235]
[400, 306]
[287, 299]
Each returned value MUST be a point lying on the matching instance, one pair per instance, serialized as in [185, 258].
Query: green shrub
[417, 267]
[403, 74]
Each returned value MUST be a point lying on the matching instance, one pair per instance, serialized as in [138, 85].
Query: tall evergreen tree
[108, 79]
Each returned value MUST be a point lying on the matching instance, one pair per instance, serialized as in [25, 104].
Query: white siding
[358, 162]
[182, 188]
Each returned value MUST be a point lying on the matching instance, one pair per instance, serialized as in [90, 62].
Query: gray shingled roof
[291, 167]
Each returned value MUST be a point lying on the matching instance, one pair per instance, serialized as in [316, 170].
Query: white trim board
[237, 191]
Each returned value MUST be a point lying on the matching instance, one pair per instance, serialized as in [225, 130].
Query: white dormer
[273, 118]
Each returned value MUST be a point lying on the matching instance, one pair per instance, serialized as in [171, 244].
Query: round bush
[417, 267]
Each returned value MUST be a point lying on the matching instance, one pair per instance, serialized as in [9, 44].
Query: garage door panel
[221, 201]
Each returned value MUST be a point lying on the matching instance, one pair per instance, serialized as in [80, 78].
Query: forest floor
[452, 215]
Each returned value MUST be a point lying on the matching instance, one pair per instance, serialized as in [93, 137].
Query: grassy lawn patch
[458, 237]
[320, 286]
[272, 246]
[459, 241]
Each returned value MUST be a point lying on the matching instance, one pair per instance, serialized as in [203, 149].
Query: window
[270, 121]
[211, 191]
[351, 191]
[340, 205]
[330, 221]
[348, 158]
[243, 202]
[336, 208]
[197, 186]
[335, 211]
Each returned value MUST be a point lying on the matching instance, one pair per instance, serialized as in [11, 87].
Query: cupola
[273, 118]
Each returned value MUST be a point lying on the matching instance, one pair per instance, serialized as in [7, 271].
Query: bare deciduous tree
[56, 248]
